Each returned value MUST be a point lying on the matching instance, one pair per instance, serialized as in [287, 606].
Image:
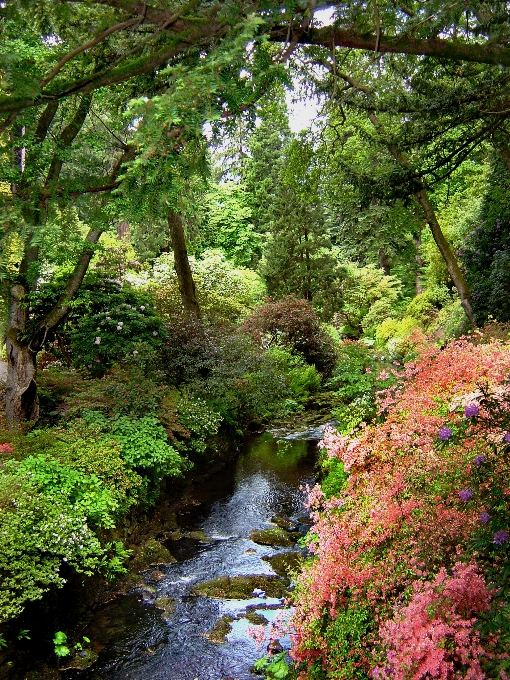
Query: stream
[137, 640]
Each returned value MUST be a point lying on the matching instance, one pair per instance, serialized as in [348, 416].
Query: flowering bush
[110, 320]
[418, 535]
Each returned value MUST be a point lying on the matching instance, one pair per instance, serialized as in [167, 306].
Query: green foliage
[358, 375]
[109, 322]
[335, 477]
[369, 297]
[39, 533]
[485, 252]
[274, 667]
[302, 379]
[298, 258]
[60, 644]
[85, 492]
[228, 225]
[344, 636]
[200, 420]
[226, 293]
[143, 443]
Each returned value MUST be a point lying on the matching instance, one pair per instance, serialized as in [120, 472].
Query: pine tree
[298, 257]
[263, 165]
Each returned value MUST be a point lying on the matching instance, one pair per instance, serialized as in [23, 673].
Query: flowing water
[136, 640]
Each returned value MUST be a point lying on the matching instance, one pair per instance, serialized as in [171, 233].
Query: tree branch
[82, 48]
[50, 322]
[433, 47]
[65, 140]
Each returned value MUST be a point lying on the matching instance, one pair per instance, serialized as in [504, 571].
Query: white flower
[134, 352]
[97, 341]
[142, 307]
[154, 333]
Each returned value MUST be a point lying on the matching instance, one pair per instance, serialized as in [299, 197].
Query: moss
[273, 536]
[151, 554]
[241, 587]
[285, 564]
[198, 536]
[282, 521]
[220, 630]
[80, 660]
[255, 619]
[166, 605]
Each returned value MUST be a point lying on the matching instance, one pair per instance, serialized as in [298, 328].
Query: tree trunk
[384, 262]
[419, 261]
[452, 265]
[181, 265]
[421, 196]
[505, 157]
[22, 403]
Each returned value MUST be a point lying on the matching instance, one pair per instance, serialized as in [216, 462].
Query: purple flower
[471, 410]
[465, 495]
[485, 517]
[506, 438]
[479, 459]
[445, 433]
[500, 537]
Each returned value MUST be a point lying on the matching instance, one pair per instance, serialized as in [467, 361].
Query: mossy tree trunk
[181, 265]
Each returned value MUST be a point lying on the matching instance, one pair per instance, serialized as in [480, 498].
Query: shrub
[301, 378]
[292, 323]
[143, 444]
[108, 323]
[226, 294]
[40, 533]
[358, 375]
[420, 532]
[189, 351]
[200, 420]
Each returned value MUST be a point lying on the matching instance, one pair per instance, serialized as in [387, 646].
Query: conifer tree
[298, 257]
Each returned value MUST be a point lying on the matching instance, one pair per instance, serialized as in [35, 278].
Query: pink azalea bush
[403, 559]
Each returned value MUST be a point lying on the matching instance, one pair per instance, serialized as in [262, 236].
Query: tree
[263, 164]
[298, 259]
[228, 224]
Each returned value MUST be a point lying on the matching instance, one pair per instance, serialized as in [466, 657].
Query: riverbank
[208, 533]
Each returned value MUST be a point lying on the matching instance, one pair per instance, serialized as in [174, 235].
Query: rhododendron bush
[411, 571]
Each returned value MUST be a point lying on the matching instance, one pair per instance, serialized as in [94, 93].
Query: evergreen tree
[262, 166]
[298, 257]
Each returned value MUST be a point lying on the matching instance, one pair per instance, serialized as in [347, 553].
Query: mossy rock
[241, 587]
[80, 660]
[273, 536]
[254, 618]
[285, 564]
[175, 535]
[151, 554]
[220, 630]
[282, 521]
[198, 536]
[166, 605]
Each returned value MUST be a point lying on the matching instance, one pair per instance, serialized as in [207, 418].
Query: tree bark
[181, 265]
[505, 157]
[384, 262]
[420, 263]
[446, 251]
[22, 403]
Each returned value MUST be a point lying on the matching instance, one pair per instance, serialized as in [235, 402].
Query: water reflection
[136, 640]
